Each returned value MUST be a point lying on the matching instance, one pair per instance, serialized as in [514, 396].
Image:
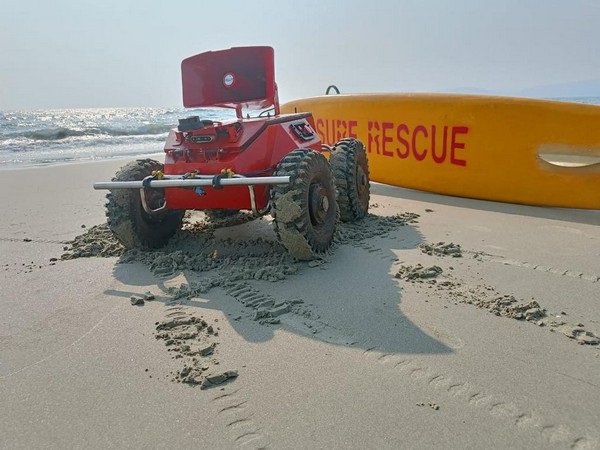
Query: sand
[435, 322]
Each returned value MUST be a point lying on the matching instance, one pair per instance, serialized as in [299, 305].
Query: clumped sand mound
[97, 241]
[449, 287]
[193, 340]
[196, 248]
[442, 249]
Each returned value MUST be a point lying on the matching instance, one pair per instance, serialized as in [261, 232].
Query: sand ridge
[449, 287]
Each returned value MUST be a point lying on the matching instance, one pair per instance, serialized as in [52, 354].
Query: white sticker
[228, 79]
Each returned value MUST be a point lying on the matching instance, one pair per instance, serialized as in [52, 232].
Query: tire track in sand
[439, 382]
[482, 256]
[479, 400]
[236, 412]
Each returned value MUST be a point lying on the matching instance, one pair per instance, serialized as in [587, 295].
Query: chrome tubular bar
[192, 182]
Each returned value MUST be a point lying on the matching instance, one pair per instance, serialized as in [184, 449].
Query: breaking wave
[58, 133]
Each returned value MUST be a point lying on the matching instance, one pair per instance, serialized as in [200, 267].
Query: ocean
[45, 137]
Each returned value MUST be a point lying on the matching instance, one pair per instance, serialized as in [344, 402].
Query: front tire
[351, 170]
[305, 211]
[128, 220]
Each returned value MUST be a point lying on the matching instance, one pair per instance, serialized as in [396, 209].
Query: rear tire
[351, 170]
[128, 220]
[305, 211]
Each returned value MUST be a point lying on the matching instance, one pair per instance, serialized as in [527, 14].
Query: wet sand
[436, 322]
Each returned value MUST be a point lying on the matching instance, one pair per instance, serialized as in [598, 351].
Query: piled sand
[447, 286]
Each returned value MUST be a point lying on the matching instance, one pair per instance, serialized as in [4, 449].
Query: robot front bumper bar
[199, 181]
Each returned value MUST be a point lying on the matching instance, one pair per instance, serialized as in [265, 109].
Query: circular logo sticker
[228, 79]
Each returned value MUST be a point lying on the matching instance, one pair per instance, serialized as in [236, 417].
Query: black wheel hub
[318, 203]
[361, 179]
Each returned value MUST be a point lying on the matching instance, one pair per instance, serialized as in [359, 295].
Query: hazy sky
[102, 53]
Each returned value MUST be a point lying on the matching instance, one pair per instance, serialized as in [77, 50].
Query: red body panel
[250, 147]
[237, 77]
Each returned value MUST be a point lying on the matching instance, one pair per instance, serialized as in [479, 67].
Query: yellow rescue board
[514, 150]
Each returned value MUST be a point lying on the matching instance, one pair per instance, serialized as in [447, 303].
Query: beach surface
[437, 322]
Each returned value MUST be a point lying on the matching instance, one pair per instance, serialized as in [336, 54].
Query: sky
[110, 53]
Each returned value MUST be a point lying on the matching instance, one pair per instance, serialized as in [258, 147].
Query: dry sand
[435, 322]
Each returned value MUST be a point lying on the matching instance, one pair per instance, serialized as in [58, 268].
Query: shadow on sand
[348, 298]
